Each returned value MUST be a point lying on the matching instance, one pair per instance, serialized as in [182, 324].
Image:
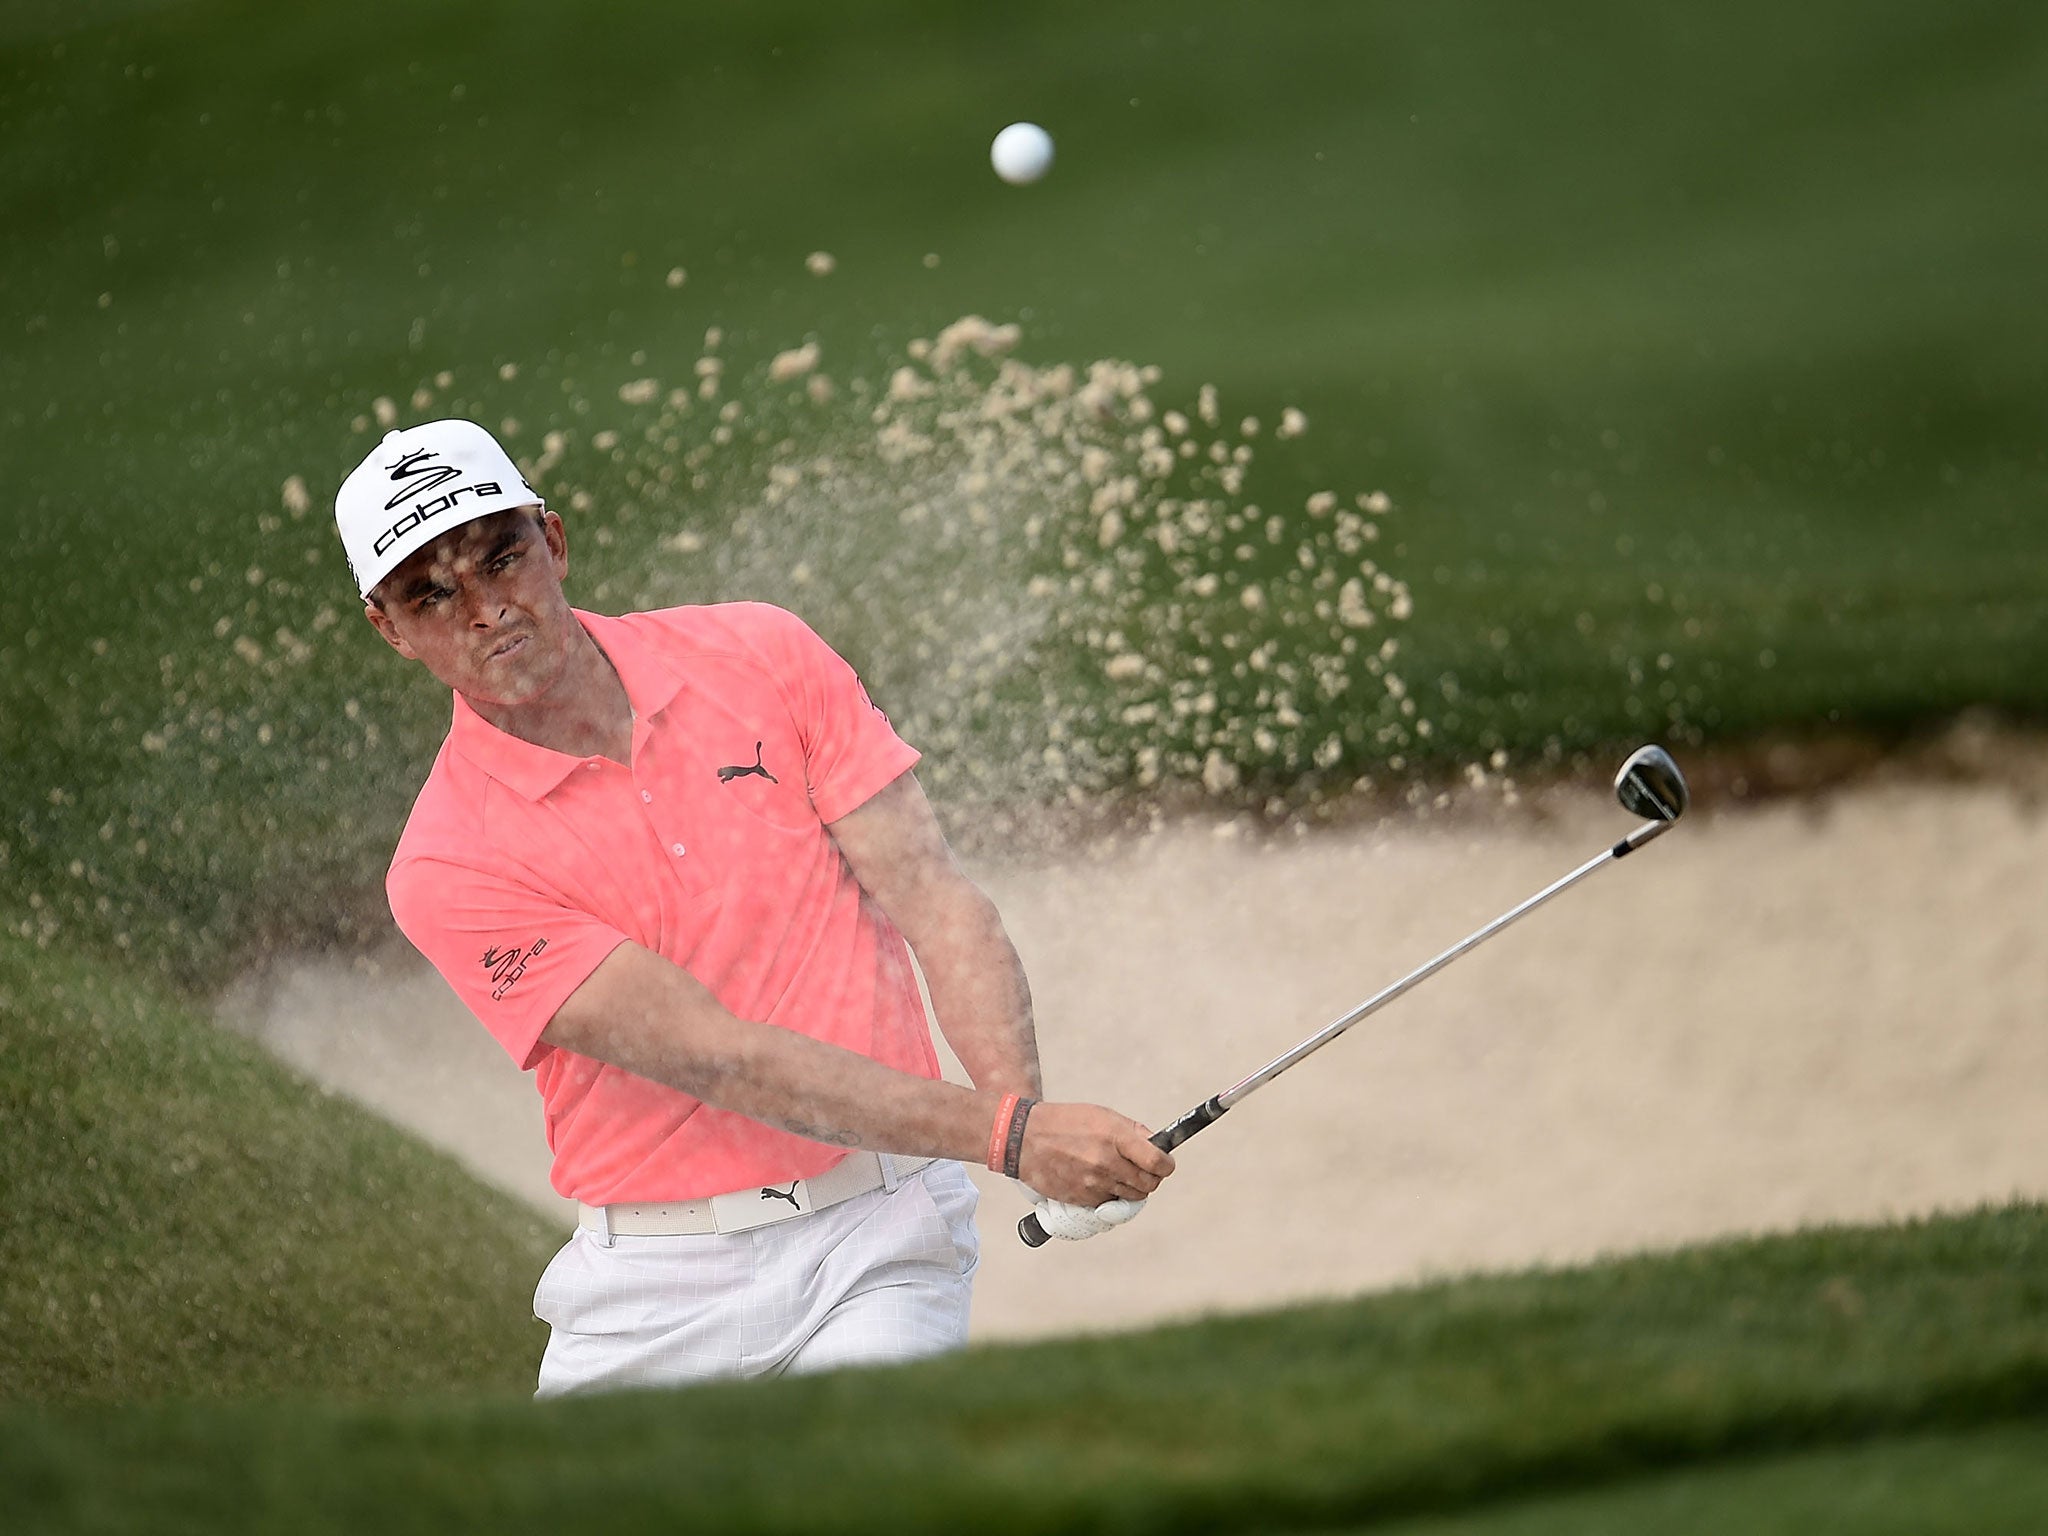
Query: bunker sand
[1820, 1010]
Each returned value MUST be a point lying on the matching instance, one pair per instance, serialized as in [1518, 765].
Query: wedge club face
[1650, 786]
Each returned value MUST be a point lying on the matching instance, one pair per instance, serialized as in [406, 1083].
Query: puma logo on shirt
[727, 775]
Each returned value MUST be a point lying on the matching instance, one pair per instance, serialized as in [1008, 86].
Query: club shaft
[1231, 1096]
[1209, 1111]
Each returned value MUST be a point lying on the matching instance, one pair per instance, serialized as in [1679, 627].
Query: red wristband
[999, 1134]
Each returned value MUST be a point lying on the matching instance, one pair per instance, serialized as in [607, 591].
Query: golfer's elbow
[646, 1015]
[946, 911]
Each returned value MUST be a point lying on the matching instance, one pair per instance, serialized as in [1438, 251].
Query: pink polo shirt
[522, 868]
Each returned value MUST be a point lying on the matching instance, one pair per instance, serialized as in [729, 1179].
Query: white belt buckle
[745, 1209]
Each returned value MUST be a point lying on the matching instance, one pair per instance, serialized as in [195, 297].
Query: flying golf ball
[1021, 153]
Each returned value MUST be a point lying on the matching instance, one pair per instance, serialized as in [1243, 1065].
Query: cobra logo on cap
[409, 468]
[427, 511]
[412, 474]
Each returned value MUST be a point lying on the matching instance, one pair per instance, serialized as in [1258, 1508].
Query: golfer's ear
[380, 621]
[556, 538]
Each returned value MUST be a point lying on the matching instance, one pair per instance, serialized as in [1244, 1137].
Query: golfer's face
[482, 607]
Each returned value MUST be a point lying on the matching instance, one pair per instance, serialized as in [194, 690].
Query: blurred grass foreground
[1840, 1380]
[1371, 392]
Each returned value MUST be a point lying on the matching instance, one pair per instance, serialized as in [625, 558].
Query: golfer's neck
[584, 713]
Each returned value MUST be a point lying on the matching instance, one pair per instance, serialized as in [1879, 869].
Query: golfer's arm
[648, 1015]
[899, 855]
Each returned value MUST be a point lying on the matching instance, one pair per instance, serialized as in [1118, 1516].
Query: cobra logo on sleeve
[508, 965]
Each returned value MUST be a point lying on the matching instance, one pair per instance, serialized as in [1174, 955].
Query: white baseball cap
[416, 485]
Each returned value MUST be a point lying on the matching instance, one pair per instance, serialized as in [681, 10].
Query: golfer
[677, 864]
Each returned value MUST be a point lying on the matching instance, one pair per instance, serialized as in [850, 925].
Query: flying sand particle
[907, 384]
[794, 363]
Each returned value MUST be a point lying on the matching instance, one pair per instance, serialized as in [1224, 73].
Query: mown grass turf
[1978, 1482]
[182, 1218]
[1698, 352]
[1424, 1401]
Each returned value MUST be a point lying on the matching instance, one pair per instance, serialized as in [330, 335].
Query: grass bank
[1701, 1366]
[184, 1219]
[1987, 1481]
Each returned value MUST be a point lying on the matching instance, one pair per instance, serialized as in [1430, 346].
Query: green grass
[1979, 1482]
[1698, 354]
[185, 1219]
[1701, 357]
[1707, 1364]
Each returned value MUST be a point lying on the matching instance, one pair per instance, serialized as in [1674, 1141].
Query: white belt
[745, 1209]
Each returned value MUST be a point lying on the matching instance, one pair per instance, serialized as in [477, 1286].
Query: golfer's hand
[1078, 1223]
[1083, 1154]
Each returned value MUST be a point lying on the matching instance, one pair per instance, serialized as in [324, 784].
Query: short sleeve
[513, 955]
[851, 752]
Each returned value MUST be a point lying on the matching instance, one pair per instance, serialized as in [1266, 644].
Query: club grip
[1205, 1114]
[1202, 1116]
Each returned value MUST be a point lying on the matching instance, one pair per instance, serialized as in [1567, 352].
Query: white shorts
[882, 1277]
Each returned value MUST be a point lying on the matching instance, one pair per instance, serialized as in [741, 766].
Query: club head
[1650, 785]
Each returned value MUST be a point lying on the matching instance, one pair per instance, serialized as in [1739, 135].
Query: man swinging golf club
[677, 863]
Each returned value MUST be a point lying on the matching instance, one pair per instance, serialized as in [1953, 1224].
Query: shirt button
[647, 795]
[591, 766]
[676, 849]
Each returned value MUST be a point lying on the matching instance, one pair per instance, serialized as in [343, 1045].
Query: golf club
[1649, 785]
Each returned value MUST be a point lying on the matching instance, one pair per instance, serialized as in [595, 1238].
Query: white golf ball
[1021, 153]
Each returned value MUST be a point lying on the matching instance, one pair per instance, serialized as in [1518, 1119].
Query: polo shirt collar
[650, 685]
[532, 770]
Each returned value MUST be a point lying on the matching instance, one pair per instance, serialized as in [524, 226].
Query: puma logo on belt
[727, 775]
[776, 1194]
